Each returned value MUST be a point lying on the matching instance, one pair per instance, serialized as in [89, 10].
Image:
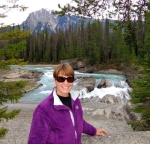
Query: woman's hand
[101, 132]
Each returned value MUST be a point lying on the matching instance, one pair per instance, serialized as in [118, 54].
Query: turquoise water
[119, 86]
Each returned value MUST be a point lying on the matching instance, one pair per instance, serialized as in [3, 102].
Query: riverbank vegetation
[9, 92]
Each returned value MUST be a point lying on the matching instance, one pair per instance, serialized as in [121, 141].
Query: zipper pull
[75, 133]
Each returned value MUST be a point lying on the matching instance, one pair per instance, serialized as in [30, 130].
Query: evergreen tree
[46, 47]
[79, 48]
[139, 36]
[62, 53]
[120, 51]
[12, 43]
[75, 37]
[141, 92]
[90, 53]
[106, 41]
[98, 36]
[9, 92]
[141, 96]
[145, 53]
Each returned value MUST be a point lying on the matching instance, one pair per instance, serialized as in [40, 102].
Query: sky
[17, 17]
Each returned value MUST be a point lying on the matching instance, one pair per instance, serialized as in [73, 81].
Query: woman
[59, 118]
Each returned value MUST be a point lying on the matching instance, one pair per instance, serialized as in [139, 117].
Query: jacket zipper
[73, 122]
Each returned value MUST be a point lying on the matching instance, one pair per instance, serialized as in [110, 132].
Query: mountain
[45, 19]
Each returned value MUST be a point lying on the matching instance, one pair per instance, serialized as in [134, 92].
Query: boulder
[30, 74]
[102, 83]
[76, 65]
[31, 77]
[80, 64]
[87, 82]
[87, 70]
[108, 83]
[113, 99]
[108, 99]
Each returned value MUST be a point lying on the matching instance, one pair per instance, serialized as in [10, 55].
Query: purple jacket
[55, 123]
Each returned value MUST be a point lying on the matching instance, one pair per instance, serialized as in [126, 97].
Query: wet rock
[104, 83]
[87, 82]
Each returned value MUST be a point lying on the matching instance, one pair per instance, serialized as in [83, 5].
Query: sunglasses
[62, 79]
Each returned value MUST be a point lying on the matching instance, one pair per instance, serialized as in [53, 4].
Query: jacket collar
[74, 96]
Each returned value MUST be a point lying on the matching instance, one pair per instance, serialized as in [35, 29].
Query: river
[119, 86]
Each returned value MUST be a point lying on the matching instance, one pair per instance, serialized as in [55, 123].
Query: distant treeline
[97, 43]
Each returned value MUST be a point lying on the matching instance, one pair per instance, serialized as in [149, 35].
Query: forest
[97, 42]
[124, 43]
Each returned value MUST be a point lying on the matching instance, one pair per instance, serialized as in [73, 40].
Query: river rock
[113, 99]
[108, 107]
[104, 83]
[32, 77]
[113, 111]
[108, 99]
[80, 64]
[87, 82]
[76, 64]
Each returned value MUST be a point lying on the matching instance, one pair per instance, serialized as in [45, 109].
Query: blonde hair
[64, 69]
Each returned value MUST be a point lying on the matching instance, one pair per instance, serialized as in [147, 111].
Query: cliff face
[41, 19]
[45, 19]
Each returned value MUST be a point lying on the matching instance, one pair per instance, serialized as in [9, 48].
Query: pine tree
[90, 46]
[120, 51]
[141, 87]
[12, 43]
[106, 41]
[146, 49]
[79, 48]
[9, 92]
[141, 96]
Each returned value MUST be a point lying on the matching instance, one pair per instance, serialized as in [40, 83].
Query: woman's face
[63, 88]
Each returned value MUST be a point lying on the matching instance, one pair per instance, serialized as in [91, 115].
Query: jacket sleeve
[88, 128]
[39, 127]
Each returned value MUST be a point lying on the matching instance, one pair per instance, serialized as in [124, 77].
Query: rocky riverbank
[32, 78]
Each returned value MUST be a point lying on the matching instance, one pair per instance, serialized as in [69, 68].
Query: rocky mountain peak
[45, 19]
[41, 18]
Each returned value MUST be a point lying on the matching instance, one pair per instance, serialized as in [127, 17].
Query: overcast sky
[17, 17]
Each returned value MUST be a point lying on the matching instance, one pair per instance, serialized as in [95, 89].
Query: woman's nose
[66, 81]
